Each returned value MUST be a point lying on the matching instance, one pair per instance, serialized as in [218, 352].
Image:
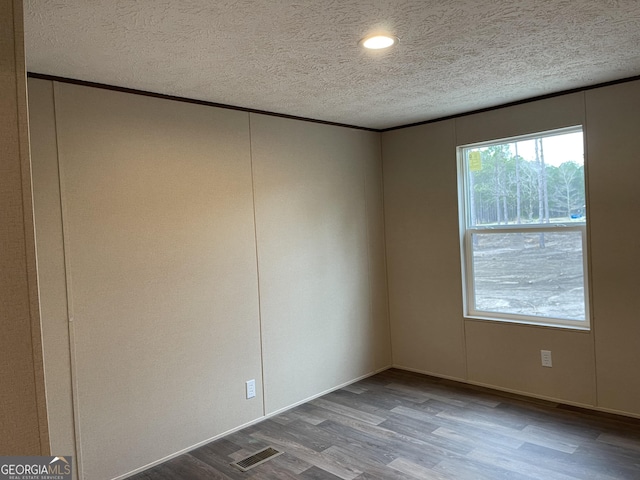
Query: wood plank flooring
[399, 425]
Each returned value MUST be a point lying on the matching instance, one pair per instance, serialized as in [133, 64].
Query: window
[523, 229]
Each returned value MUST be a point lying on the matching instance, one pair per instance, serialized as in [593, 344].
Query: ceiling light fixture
[378, 41]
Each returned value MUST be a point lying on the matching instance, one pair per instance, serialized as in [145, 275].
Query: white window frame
[466, 232]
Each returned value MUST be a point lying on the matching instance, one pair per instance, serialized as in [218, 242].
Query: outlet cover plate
[251, 388]
[545, 356]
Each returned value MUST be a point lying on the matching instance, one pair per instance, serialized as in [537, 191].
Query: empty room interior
[229, 226]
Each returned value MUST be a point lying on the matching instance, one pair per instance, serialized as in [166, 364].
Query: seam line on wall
[385, 256]
[589, 272]
[463, 268]
[68, 289]
[70, 326]
[255, 238]
[371, 319]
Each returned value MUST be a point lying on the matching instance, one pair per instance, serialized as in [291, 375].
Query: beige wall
[423, 239]
[161, 266]
[421, 218]
[613, 146]
[172, 305]
[23, 419]
[324, 322]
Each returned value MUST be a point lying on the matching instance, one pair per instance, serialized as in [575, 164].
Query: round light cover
[378, 41]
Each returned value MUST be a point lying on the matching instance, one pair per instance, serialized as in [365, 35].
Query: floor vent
[256, 459]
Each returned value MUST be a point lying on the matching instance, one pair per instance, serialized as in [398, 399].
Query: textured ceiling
[302, 58]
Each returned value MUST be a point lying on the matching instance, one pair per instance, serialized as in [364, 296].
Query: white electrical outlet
[251, 388]
[546, 358]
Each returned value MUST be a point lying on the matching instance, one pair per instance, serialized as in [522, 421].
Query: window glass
[514, 274]
[523, 218]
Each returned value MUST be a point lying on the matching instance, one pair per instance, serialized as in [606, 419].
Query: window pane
[531, 181]
[533, 274]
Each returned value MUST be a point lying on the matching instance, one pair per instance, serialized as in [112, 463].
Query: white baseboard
[313, 397]
[338, 387]
[248, 424]
[563, 401]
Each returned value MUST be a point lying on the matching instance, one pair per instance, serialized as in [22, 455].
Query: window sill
[540, 324]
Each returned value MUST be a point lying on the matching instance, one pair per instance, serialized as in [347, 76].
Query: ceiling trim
[517, 102]
[323, 122]
[145, 93]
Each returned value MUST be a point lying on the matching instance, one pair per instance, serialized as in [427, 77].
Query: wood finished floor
[399, 425]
